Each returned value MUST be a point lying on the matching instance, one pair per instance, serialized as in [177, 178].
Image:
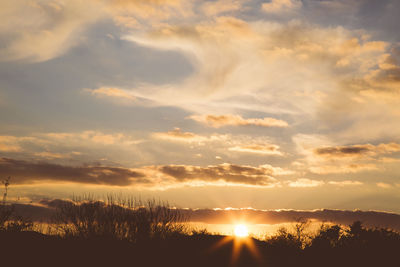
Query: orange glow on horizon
[240, 240]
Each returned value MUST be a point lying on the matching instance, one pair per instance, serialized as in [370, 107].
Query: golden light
[241, 230]
[240, 240]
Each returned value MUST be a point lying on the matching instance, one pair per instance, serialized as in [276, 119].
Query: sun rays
[240, 240]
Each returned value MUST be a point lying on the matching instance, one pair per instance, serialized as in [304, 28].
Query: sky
[280, 104]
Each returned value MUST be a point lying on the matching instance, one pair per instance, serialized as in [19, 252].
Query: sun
[240, 240]
[241, 230]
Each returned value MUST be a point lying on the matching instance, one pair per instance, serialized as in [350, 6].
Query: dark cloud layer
[357, 150]
[230, 173]
[24, 172]
[342, 151]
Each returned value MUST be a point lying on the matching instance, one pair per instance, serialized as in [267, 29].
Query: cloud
[112, 92]
[150, 10]
[9, 144]
[51, 155]
[278, 6]
[357, 150]
[178, 135]
[212, 8]
[368, 99]
[35, 30]
[291, 68]
[41, 30]
[349, 168]
[304, 182]
[258, 149]
[223, 143]
[231, 58]
[322, 157]
[389, 160]
[158, 177]
[226, 173]
[217, 121]
[384, 185]
[344, 151]
[345, 183]
[24, 172]
[260, 65]
[95, 137]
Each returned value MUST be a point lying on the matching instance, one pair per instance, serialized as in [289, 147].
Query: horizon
[269, 104]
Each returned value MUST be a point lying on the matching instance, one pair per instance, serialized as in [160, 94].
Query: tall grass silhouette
[119, 218]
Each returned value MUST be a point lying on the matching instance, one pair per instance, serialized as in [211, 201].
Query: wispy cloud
[345, 183]
[178, 135]
[236, 120]
[265, 149]
[93, 136]
[384, 185]
[41, 30]
[52, 155]
[304, 182]
[112, 92]
[349, 168]
[9, 144]
[212, 8]
[279, 6]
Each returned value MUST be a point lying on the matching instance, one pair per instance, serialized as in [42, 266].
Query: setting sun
[241, 230]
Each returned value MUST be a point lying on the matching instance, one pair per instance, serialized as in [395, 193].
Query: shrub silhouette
[9, 220]
[124, 219]
[327, 237]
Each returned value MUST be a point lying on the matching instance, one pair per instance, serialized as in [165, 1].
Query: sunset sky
[273, 104]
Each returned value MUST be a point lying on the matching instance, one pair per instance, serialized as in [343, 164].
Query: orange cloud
[350, 168]
[96, 137]
[384, 185]
[178, 135]
[217, 121]
[345, 183]
[258, 149]
[9, 144]
[152, 10]
[50, 155]
[304, 182]
[278, 6]
[112, 92]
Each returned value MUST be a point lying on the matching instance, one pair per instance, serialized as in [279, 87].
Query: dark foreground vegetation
[86, 232]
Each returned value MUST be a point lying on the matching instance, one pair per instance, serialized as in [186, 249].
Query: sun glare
[241, 230]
